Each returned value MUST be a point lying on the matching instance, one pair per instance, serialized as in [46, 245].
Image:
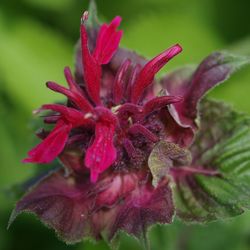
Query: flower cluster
[117, 118]
[120, 142]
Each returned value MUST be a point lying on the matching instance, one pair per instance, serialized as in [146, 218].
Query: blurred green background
[37, 40]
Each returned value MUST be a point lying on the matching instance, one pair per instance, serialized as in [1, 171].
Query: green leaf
[164, 156]
[222, 144]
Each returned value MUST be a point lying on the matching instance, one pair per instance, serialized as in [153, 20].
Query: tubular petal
[107, 41]
[71, 115]
[148, 72]
[74, 95]
[160, 102]
[51, 146]
[74, 87]
[119, 84]
[102, 153]
[92, 70]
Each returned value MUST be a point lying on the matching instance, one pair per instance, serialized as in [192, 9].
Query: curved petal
[107, 41]
[102, 153]
[51, 146]
[147, 74]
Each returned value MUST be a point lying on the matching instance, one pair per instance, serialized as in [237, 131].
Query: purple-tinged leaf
[174, 132]
[177, 81]
[217, 184]
[76, 208]
[146, 206]
[216, 68]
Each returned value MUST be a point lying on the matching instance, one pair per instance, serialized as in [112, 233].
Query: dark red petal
[78, 99]
[129, 108]
[109, 71]
[133, 75]
[119, 83]
[91, 69]
[159, 102]
[70, 80]
[106, 116]
[107, 41]
[73, 116]
[51, 146]
[148, 72]
[102, 153]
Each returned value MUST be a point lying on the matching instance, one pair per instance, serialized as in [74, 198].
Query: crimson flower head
[122, 142]
[108, 124]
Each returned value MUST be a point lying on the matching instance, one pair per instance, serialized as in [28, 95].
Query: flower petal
[71, 115]
[110, 70]
[107, 41]
[51, 146]
[102, 153]
[91, 68]
[75, 96]
[159, 102]
[148, 72]
[119, 82]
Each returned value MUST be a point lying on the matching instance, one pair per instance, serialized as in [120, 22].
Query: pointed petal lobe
[91, 69]
[51, 146]
[71, 115]
[148, 72]
[107, 41]
[102, 153]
